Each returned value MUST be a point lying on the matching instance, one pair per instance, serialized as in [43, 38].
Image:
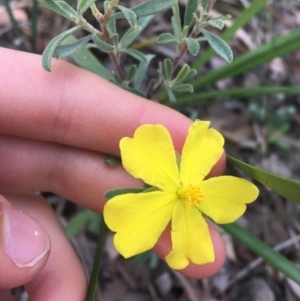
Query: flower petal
[201, 151]
[150, 156]
[139, 219]
[225, 198]
[190, 238]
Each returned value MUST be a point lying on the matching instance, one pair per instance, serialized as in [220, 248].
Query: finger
[74, 107]
[62, 278]
[79, 175]
[5, 295]
[20, 261]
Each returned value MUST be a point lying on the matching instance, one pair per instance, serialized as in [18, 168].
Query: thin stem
[15, 25]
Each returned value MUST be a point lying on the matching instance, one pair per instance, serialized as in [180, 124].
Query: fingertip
[163, 247]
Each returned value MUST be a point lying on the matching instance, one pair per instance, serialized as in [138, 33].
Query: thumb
[24, 246]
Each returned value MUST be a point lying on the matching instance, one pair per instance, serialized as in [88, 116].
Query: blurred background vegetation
[254, 102]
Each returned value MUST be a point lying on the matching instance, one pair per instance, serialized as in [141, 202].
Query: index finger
[74, 107]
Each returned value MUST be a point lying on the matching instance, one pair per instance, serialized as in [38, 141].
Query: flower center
[190, 194]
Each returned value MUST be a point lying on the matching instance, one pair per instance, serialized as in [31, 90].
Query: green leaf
[190, 9]
[171, 95]
[111, 27]
[273, 258]
[85, 59]
[112, 160]
[50, 49]
[219, 46]
[103, 46]
[242, 19]
[83, 5]
[288, 188]
[93, 283]
[66, 50]
[150, 7]
[183, 88]
[131, 73]
[142, 24]
[192, 73]
[129, 15]
[217, 23]
[127, 35]
[115, 192]
[176, 30]
[204, 4]
[62, 8]
[80, 221]
[182, 74]
[165, 38]
[193, 46]
[135, 54]
[142, 70]
[177, 22]
[168, 66]
[217, 96]
[280, 46]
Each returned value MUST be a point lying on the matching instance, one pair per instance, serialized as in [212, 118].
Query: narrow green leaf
[131, 73]
[217, 23]
[280, 46]
[288, 188]
[171, 95]
[135, 54]
[127, 35]
[80, 221]
[66, 50]
[83, 5]
[68, 9]
[86, 60]
[168, 66]
[129, 15]
[243, 18]
[103, 46]
[190, 9]
[50, 49]
[134, 33]
[165, 38]
[93, 283]
[60, 8]
[193, 46]
[192, 73]
[273, 258]
[149, 7]
[183, 88]
[115, 192]
[112, 27]
[217, 96]
[182, 74]
[112, 160]
[142, 70]
[219, 45]
[204, 4]
[177, 20]
[176, 30]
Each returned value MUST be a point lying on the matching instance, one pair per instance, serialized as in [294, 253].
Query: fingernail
[25, 241]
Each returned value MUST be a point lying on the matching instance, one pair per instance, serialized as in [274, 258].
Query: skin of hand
[56, 130]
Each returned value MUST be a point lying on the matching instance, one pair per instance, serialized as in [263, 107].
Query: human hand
[56, 130]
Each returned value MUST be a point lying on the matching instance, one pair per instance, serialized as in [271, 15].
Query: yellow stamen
[191, 194]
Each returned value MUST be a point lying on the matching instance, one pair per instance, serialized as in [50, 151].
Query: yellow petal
[139, 219]
[150, 156]
[225, 198]
[201, 151]
[190, 238]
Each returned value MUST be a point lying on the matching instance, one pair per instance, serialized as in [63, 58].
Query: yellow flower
[183, 196]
